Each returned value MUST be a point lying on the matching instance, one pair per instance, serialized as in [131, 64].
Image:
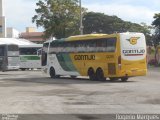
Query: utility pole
[81, 18]
[1, 8]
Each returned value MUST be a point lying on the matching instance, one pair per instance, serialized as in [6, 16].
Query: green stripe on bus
[29, 58]
[65, 62]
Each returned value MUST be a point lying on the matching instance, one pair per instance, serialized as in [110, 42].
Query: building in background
[32, 35]
[12, 33]
[2, 21]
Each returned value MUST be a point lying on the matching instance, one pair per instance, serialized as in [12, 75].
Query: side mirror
[39, 52]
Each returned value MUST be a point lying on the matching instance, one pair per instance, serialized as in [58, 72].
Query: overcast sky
[19, 13]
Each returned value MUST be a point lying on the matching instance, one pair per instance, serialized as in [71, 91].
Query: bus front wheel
[23, 69]
[52, 72]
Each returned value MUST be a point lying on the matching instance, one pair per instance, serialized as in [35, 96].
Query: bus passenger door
[44, 58]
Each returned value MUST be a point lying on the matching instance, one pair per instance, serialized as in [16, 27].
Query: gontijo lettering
[133, 52]
[84, 57]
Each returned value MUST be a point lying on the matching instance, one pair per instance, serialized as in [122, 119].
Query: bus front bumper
[13, 67]
[45, 70]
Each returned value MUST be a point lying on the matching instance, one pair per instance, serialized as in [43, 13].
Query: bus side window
[111, 45]
[92, 46]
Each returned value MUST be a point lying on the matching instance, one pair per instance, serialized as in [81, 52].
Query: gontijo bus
[116, 56]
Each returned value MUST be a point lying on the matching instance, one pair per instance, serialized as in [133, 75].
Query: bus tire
[72, 76]
[100, 75]
[91, 74]
[52, 72]
[57, 76]
[113, 78]
[23, 69]
[124, 79]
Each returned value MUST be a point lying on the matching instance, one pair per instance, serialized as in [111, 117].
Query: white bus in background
[29, 56]
[9, 57]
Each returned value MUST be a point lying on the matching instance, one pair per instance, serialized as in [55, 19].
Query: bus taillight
[119, 62]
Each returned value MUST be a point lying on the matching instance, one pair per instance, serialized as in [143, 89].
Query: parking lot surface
[33, 92]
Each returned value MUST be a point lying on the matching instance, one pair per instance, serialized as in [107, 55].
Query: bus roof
[91, 36]
[30, 46]
[15, 41]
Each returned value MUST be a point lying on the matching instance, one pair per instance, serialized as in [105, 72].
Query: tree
[59, 18]
[101, 23]
[146, 29]
[156, 24]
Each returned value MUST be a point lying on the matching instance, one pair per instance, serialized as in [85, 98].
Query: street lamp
[81, 18]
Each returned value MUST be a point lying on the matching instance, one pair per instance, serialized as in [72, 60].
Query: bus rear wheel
[91, 74]
[52, 72]
[100, 75]
[124, 79]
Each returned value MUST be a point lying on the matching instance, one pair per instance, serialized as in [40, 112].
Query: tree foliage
[156, 24]
[59, 18]
[101, 23]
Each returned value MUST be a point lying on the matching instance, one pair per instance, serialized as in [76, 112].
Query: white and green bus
[29, 56]
[9, 57]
